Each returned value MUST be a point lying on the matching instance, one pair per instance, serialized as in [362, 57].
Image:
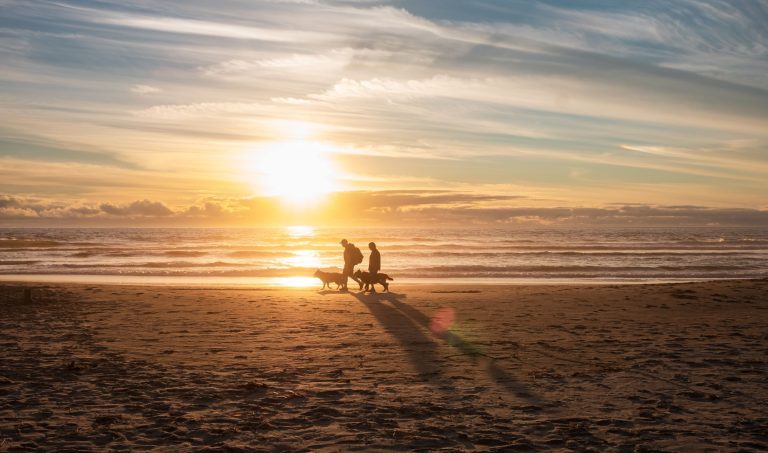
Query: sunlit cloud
[207, 28]
[145, 89]
[332, 60]
[736, 158]
[373, 207]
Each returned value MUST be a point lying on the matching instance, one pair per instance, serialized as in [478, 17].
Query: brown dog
[368, 280]
[329, 277]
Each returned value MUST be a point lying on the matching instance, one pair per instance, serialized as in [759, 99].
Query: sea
[289, 256]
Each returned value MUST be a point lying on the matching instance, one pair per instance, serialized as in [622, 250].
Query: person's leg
[347, 274]
[373, 279]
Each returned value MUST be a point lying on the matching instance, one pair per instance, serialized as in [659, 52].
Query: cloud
[588, 85]
[208, 210]
[166, 24]
[85, 211]
[410, 199]
[433, 207]
[7, 201]
[630, 215]
[141, 208]
[201, 109]
[13, 207]
[742, 157]
[17, 213]
[440, 85]
[324, 64]
[145, 89]
[327, 61]
[290, 101]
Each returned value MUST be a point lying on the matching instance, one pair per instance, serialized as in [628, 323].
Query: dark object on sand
[352, 257]
[368, 279]
[27, 295]
[330, 277]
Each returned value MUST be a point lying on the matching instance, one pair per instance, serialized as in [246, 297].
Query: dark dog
[368, 280]
[330, 277]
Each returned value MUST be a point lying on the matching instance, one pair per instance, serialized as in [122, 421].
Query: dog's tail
[389, 278]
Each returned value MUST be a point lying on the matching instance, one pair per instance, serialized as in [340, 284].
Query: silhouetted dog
[368, 280]
[330, 277]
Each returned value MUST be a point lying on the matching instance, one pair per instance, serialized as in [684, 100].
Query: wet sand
[680, 367]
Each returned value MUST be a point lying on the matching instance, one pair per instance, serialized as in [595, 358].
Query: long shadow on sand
[422, 351]
[405, 323]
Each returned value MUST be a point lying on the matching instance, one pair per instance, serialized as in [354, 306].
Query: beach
[634, 368]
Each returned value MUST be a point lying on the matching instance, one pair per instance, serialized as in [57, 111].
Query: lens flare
[442, 321]
[444, 325]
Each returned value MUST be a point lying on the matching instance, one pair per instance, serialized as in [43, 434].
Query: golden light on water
[300, 231]
[303, 258]
[300, 258]
[296, 282]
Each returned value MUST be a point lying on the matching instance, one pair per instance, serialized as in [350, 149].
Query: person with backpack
[352, 257]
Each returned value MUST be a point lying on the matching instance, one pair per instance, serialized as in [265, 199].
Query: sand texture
[491, 368]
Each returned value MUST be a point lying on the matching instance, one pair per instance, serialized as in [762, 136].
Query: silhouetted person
[374, 264]
[352, 256]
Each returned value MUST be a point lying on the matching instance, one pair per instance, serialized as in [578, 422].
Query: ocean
[290, 255]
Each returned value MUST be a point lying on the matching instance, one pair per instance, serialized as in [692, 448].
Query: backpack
[357, 255]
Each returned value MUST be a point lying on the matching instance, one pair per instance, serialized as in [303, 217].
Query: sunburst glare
[297, 171]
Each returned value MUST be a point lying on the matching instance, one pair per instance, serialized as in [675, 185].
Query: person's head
[372, 245]
[344, 242]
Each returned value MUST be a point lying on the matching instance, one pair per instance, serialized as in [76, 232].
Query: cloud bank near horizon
[369, 208]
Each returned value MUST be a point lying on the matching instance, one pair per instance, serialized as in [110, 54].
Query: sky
[248, 112]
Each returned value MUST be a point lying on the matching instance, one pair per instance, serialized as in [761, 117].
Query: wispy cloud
[208, 28]
[201, 109]
[145, 89]
[735, 157]
[334, 59]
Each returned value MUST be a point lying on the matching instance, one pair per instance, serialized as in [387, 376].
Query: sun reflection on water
[303, 258]
[295, 282]
[300, 231]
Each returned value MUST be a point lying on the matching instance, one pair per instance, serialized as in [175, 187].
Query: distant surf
[500, 255]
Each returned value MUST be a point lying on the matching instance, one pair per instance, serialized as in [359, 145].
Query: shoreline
[309, 282]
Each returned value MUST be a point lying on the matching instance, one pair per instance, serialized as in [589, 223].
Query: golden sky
[354, 112]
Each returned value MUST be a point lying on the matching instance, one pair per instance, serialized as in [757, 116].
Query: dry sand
[592, 368]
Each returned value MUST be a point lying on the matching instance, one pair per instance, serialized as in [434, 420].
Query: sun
[296, 171]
